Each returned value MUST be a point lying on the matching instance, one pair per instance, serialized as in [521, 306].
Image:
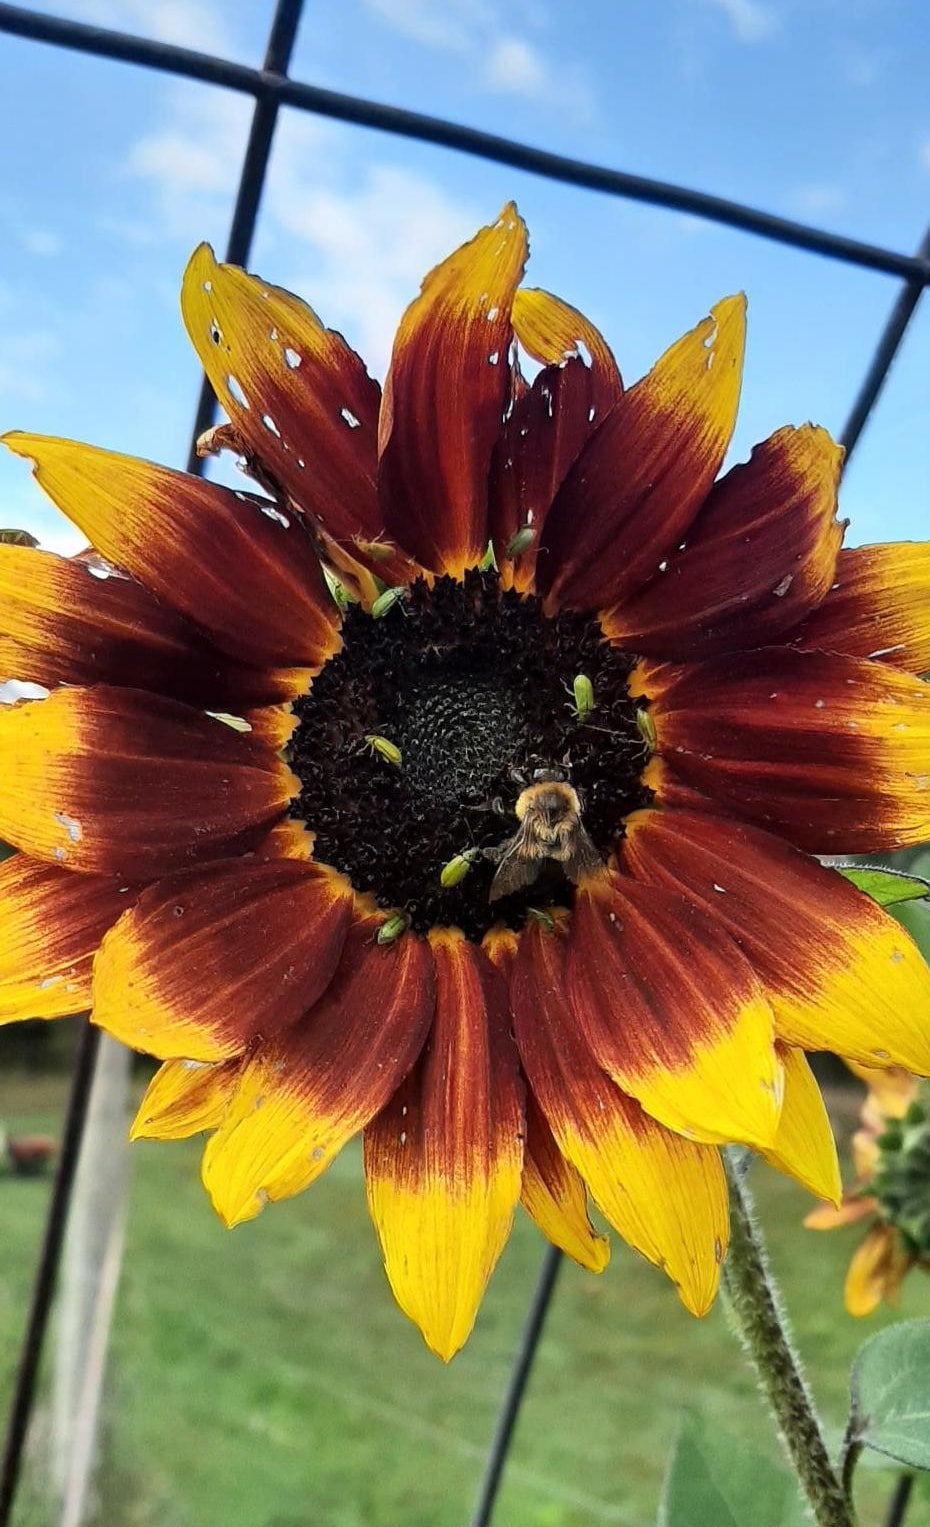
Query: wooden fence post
[89, 1280]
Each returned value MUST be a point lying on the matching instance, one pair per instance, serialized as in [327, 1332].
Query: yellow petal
[554, 1196]
[673, 1012]
[876, 1270]
[443, 1160]
[804, 1146]
[307, 1091]
[834, 1217]
[553, 331]
[183, 1098]
[666, 1196]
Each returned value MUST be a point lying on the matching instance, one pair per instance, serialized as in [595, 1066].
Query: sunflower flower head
[460, 783]
[891, 1151]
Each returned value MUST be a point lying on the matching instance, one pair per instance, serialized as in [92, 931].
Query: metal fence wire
[271, 88]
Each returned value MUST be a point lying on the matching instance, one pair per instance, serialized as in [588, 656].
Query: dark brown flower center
[474, 688]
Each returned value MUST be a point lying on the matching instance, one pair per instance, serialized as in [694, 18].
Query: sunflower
[463, 786]
[891, 1152]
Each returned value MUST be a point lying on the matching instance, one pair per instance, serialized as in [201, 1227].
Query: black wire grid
[270, 89]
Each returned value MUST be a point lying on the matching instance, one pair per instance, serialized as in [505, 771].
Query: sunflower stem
[756, 1307]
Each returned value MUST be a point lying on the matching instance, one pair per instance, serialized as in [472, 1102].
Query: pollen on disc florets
[473, 689]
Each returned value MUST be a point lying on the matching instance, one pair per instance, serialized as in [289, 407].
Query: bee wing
[583, 859]
[518, 868]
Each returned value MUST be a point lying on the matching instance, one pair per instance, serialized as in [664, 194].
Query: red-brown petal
[311, 1088]
[208, 961]
[445, 398]
[635, 489]
[544, 433]
[760, 555]
[310, 413]
[673, 1011]
[831, 751]
[232, 563]
[840, 973]
[443, 1160]
[61, 622]
[547, 424]
[665, 1195]
[878, 606]
[51, 923]
[128, 784]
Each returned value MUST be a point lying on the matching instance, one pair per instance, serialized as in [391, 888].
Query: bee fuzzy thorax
[552, 799]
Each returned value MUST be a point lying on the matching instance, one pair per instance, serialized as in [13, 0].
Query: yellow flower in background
[463, 788]
[891, 1152]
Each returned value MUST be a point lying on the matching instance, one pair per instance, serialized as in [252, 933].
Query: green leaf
[891, 1393]
[717, 1480]
[17, 538]
[915, 917]
[887, 887]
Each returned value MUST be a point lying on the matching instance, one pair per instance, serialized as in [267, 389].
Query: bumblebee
[550, 831]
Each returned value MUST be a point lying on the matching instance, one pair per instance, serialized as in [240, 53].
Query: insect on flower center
[418, 740]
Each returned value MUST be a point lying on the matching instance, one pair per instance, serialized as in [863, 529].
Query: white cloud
[751, 20]
[359, 241]
[923, 153]
[504, 61]
[819, 199]
[197, 24]
[26, 363]
[449, 24]
[191, 166]
[352, 234]
[41, 241]
[514, 66]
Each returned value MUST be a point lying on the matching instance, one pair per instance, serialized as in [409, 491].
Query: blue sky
[814, 108]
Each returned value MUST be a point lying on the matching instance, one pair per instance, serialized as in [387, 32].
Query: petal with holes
[636, 488]
[878, 606]
[544, 433]
[760, 555]
[232, 563]
[553, 332]
[119, 782]
[299, 397]
[63, 623]
[445, 396]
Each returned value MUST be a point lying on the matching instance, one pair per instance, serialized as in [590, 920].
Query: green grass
[264, 1378]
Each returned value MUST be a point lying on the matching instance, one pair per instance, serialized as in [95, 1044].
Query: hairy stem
[756, 1310]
